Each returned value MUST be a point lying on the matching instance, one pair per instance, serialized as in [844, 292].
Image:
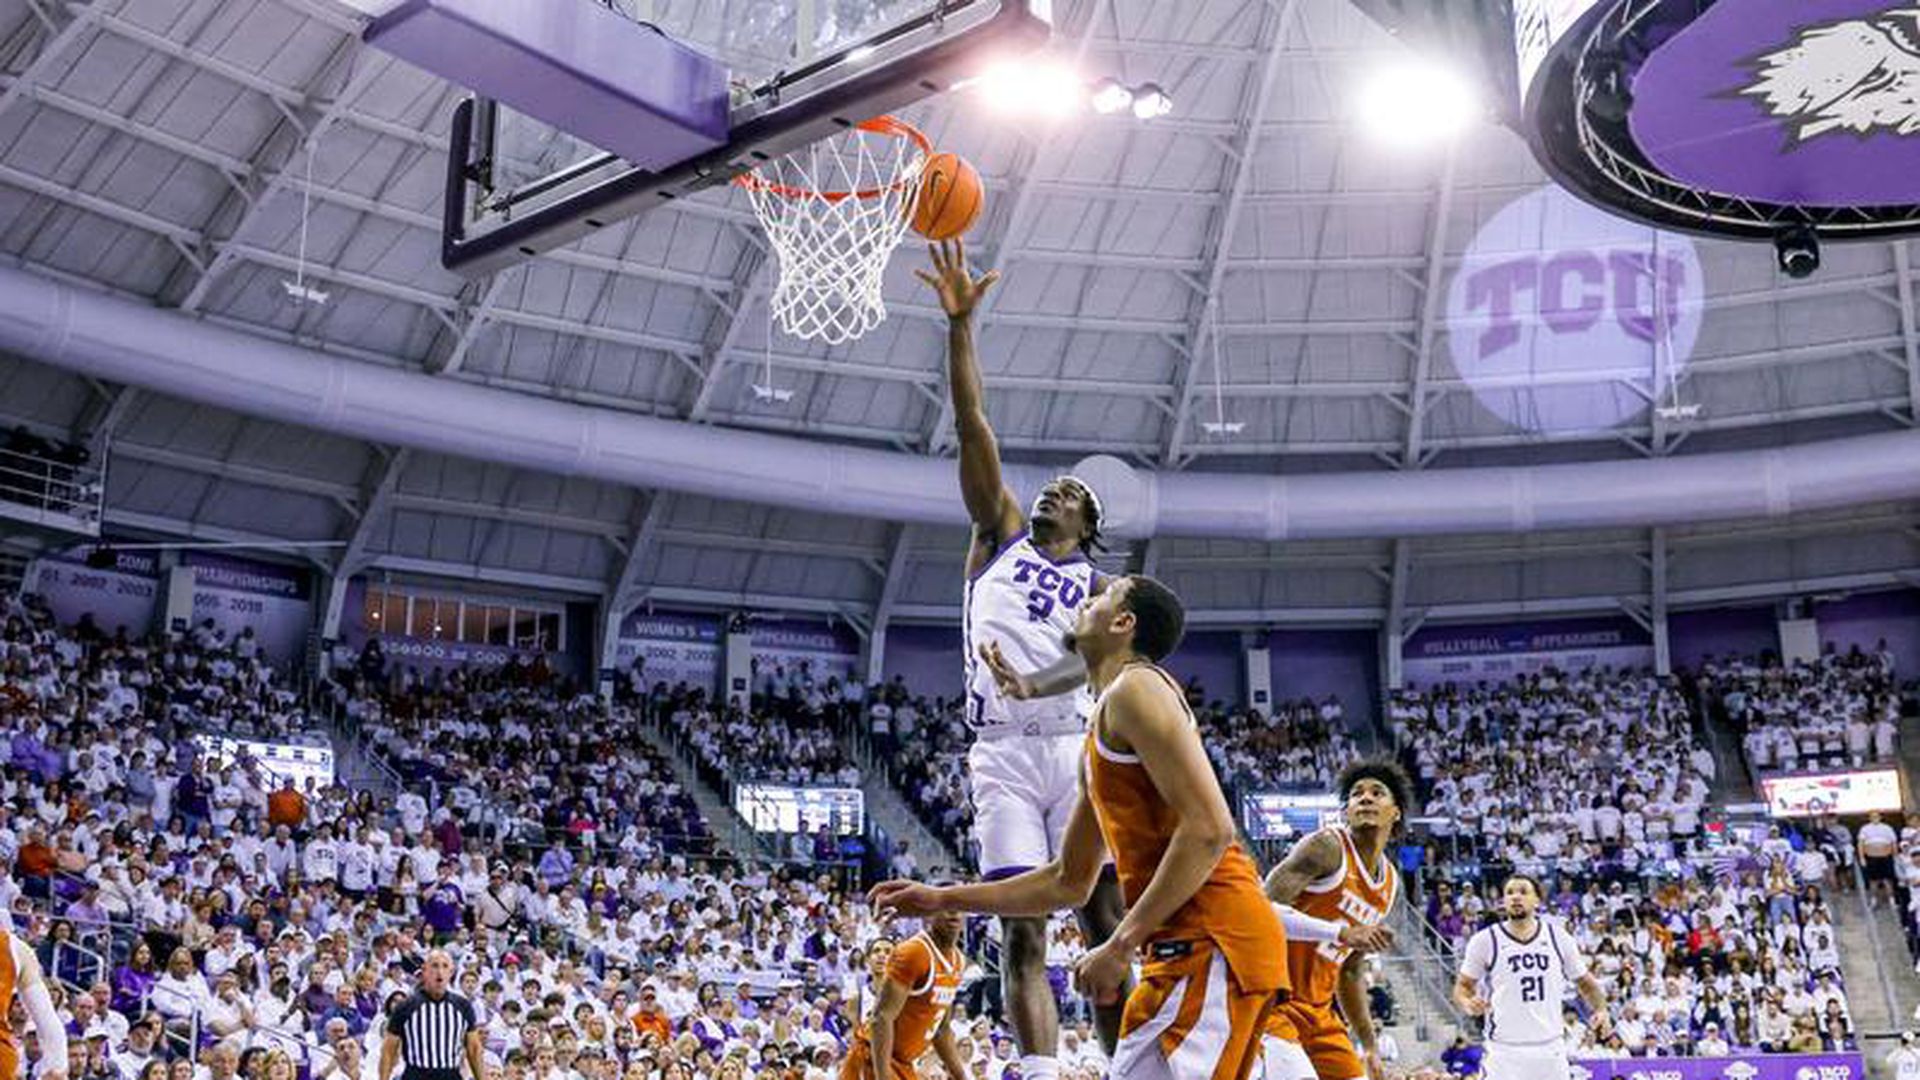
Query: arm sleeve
[1477, 960]
[1304, 927]
[910, 965]
[46, 1022]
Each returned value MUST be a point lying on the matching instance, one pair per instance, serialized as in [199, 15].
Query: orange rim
[890, 126]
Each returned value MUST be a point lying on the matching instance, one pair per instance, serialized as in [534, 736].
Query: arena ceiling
[156, 149]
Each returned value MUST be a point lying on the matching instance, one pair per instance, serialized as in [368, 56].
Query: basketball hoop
[834, 212]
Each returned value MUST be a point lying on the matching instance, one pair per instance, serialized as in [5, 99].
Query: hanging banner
[1753, 1067]
[240, 593]
[122, 596]
[830, 650]
[677, 648]
[1472, 653]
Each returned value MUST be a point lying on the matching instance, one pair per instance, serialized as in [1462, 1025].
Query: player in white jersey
[1028, 575]
[1516, 973]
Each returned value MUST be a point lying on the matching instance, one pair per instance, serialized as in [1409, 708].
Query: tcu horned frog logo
[1858, 75]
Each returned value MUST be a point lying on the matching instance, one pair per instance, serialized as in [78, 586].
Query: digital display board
[774, 808]
[1853, 792]
[1277, 816]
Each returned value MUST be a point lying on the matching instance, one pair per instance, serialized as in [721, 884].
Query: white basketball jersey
[1524, 982]
[1027, 604]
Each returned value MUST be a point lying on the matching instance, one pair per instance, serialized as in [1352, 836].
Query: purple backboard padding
[1696, 115]
[572, 64]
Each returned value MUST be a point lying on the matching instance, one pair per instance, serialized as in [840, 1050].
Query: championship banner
[124, 595]
[829, 649]
[678, 648]
[238, 593]
[1473, 653]
[1755, 1067]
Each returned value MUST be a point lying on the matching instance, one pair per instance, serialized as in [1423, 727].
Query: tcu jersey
[1524, 982]
[1349, 896]
[1027, 604]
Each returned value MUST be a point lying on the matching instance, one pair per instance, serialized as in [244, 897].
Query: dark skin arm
[1352, 993]
[949, 1051]
[1309, 861]
[893, 998]
[990, 503]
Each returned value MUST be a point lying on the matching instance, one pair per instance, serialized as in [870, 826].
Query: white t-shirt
[1879, 834]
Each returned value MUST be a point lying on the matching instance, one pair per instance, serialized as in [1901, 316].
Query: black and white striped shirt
[432, 1032]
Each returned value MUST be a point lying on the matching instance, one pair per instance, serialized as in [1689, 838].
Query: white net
[834, 212]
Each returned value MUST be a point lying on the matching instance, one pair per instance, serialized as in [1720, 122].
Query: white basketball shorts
[1024, 789]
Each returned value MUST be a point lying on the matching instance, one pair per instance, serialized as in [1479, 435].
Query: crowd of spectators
[1596, 783]
[1842, 710]
[206, 922]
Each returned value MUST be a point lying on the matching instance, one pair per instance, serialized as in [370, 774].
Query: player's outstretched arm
[1595, 996]
[38, 1001]
[995, 512]
[1066, 882]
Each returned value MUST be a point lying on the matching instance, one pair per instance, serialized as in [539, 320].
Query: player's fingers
[987, 280]
[928, 278]
[939, 260]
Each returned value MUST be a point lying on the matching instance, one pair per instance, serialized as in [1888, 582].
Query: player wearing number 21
[1515, 973]
[1211, 947]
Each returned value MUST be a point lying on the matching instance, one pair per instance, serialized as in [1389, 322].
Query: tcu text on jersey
[1050, 586]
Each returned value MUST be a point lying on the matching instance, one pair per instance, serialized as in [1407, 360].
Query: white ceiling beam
[1256, 101]
[611, 531]
[491, 575]
[1032, 152]
[239, 472]
[624, 585]
[52, 56]
[1909, 334]
[473, 322]
[1413, 450]
[747, 287]
[197, 530]
[376, 500]
[299, 135]
[703, 538]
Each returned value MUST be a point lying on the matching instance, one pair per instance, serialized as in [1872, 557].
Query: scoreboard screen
[774, 808]
[1277, 816]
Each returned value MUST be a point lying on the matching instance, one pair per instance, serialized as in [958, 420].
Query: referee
[432, 1031]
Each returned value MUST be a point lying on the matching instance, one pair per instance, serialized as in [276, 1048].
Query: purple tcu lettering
[1571, 290]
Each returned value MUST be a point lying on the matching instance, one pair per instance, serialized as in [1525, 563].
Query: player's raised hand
[904, 899]
[960, 292]
[1367, 939]
[1012, 684]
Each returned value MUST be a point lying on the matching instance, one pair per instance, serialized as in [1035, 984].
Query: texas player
[1204, 932]
[910, 1010]
[1336, 889]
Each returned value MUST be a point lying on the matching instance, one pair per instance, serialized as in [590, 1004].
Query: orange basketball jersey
[1350, 896]
[9, 1041]
[1231, 908]
[932, 980]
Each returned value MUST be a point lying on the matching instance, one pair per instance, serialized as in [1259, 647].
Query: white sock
[1039, 1067]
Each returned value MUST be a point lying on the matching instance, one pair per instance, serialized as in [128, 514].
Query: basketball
[951, 197]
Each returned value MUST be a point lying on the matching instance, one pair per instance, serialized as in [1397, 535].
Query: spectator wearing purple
[444, 905]
[556, 866]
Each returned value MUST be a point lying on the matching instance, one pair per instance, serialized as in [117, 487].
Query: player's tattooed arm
[1309, 861]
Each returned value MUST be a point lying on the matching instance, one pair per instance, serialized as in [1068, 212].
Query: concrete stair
[730, 831]
[1882, 988]
[896, 818]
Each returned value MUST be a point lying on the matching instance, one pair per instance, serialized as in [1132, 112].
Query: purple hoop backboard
[525, 178]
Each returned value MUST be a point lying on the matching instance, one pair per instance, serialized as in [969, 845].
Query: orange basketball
[951, 197]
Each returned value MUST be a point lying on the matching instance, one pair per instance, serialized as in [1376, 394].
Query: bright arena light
[1049, 90]
[1109, 97]
[1417, 104]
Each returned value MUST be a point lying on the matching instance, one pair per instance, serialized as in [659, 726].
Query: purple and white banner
[124, 596]
[239, 593]
[678, 648]
[1755, 1067]
[1556, 311]
[828, 649]
[1472, 653]
[1810, 103]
